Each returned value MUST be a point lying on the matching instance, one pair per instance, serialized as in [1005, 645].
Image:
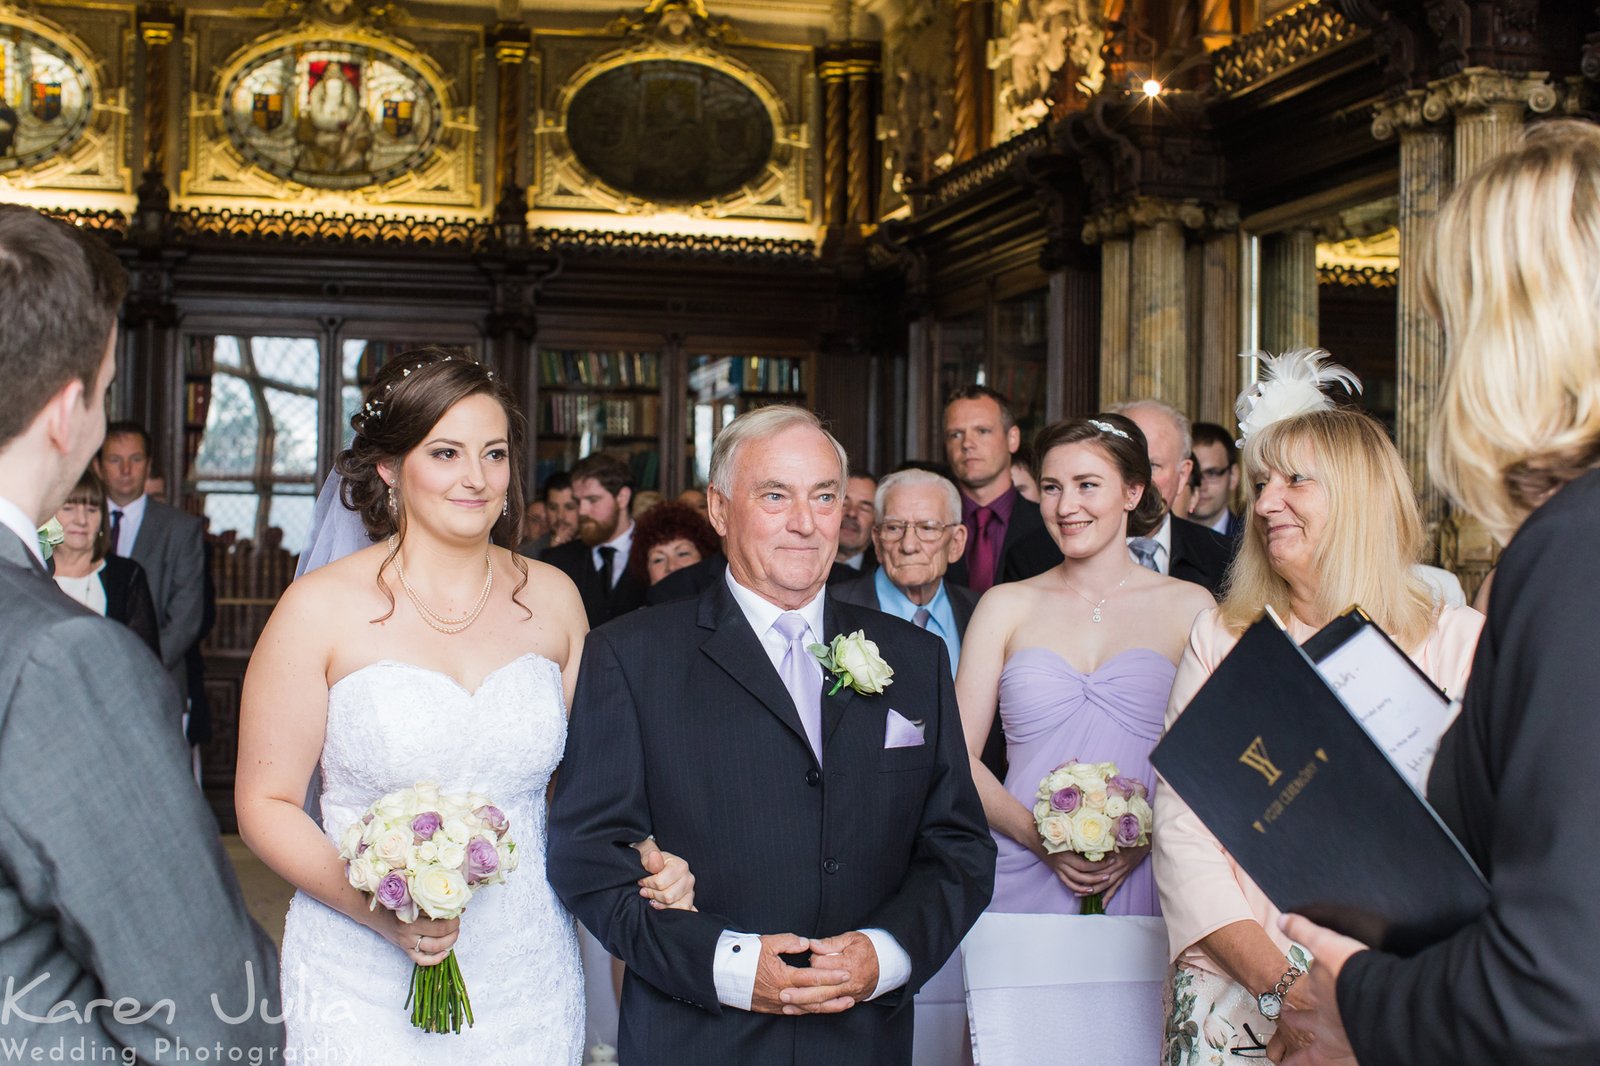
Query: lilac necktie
[802, 676]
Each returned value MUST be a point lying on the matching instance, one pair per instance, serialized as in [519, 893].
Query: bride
[434, 654]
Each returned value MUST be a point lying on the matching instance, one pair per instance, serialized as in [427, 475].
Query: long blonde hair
[1514, 276]
[1373, 536]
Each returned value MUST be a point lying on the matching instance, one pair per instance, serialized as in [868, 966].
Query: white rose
[508, 856]
[423, 854]
[440, 892]
[1055, 830]
[1116, 806]
[456, 830]
[1088, 777]
[1138, 807]
[392, 845]
[394, 807]
[367, 871]
[1096, 799]
[350, 843]
[452, 805]
[1092, 835]
[858, 656]
[427, 794]
[451, 854]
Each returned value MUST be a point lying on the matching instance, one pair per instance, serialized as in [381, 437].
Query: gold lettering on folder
[1255, 757]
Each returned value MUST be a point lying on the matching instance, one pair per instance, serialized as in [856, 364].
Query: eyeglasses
[926, 531]
[1214, 473]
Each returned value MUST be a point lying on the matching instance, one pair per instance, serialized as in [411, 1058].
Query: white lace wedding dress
[344, 987]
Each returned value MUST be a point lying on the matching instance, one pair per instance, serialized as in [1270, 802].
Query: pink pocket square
[902, 732]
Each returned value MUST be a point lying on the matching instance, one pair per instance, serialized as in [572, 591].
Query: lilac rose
[425, 825]
[393, 892]
[482, 860]
[494, 818]
[1126, 787]
[1066, 800]
[1128, 831]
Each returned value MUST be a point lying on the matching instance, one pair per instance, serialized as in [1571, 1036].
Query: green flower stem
[438, 998]
[1092, 904]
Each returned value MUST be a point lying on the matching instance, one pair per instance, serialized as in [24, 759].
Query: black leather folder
[1290, 783]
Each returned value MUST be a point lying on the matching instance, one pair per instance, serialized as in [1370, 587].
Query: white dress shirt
[1163, 539]
[738, 954]
[623, 542]
[132, 519]
[12, 518]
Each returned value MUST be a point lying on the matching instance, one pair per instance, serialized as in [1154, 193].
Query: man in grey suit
[113, 886]
[167, 542]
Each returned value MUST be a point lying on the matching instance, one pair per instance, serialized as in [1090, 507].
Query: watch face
[1270, 1005]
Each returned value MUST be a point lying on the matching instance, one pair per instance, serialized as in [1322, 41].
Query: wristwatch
[1270, 1004]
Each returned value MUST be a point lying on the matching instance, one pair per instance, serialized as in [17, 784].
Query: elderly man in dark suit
[113, 884]
[167, 542]
[839, 849]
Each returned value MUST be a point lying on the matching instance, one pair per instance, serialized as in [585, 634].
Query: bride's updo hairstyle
[1122, 442]
[407, 398]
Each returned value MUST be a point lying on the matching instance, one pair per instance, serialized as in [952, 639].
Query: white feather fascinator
[1287, 385]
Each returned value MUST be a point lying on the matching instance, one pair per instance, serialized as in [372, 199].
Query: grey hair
[912, 478]
[1179, 420]
[760, 424]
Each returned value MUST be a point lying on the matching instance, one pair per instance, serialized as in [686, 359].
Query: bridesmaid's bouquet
[1091, 809]
[421, 851]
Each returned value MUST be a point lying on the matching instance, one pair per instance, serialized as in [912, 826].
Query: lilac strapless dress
[1053, 713]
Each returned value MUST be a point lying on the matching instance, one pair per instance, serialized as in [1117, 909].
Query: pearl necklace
[433, 618]
[1095, 617]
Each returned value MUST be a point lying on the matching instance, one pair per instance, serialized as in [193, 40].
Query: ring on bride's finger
[418, 948]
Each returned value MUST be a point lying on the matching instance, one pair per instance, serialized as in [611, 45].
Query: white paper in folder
[1396, 704]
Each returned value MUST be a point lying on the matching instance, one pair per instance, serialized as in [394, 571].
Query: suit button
[813, 778]
[830, 865]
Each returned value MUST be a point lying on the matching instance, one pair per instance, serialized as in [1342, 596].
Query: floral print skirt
[1212, 1020]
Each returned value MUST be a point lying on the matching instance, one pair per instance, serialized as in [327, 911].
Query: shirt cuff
[733, 969]
[894, 965]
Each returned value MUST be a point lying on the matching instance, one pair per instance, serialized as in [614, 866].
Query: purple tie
[802, 676]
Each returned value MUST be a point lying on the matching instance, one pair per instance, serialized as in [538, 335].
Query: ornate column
[969, 67]
[1289, 291]
[835, 151]
[511, 45]
[1425, 167]
[158, 24]
[1110, 230]
[1489, 108]
[860, 170]
[1158, 331]
[1219, 371]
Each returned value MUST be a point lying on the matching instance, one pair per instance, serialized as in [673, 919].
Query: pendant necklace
[432, 618]
[1095, 617]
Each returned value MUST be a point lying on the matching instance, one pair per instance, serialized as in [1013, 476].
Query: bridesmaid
[1078, 662]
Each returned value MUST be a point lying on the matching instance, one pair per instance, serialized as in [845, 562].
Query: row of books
[613, 369]
[712, 379]
[644, 462]
[570, 413]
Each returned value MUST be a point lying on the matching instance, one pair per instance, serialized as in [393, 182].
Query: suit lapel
[734, 647]
[834, 706]
[15, 552]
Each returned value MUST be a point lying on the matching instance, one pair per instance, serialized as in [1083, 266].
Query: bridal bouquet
[421, 851]
[1091, 809]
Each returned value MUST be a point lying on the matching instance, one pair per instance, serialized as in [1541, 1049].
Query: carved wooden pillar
[511, 44]
[1289, 291]
[158, 24]
[860, 169]
[969, 70]
[835, 143]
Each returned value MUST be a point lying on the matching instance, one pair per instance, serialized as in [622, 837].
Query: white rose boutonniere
[50, 535]
[854, 660]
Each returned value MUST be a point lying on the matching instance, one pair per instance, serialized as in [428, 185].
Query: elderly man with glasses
[917, 535]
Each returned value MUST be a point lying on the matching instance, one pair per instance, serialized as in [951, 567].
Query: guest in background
[855, 529]
[535, 529]
[1514, 273]
[1006, 540]
[561, 507]
[670, 537]
[1217, 463]
[597, 562]
[695, 498]
[1177, 546]
[917, 536]
[1182, 502]
[167, 542]
[1335, 523]
[1022, 475]
[107, 585]
[644, 501]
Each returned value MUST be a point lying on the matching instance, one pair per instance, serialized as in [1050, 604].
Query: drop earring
[505, 508]
[393, 510]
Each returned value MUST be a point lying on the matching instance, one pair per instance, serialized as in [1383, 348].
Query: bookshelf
[720, 387]
[592, 400]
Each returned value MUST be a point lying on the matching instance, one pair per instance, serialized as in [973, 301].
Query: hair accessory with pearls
[1107, 427]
